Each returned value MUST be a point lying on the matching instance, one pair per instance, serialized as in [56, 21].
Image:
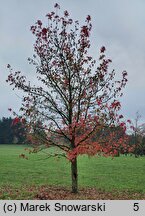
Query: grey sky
[117, 24]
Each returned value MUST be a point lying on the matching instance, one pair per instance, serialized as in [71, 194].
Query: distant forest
[11, 134]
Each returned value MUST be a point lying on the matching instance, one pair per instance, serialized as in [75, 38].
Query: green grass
[120, 173]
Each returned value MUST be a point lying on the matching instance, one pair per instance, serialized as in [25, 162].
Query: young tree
[75, 98]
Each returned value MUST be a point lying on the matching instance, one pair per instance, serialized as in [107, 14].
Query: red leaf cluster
[102, 50]
[15, 121]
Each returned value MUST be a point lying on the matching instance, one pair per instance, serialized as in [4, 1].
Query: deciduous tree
[76, 96]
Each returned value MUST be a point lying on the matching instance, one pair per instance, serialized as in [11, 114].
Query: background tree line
[10, 133]
[17, 134]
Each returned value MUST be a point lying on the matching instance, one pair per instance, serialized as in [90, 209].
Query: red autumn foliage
[102, 50]
[85, 31]
[10, 109]
[66, 13]
[57, 6]
[44, 31]
[23, 156]
[15, 121]
[88, 18]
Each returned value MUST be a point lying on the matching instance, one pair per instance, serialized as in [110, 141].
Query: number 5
[136, 207]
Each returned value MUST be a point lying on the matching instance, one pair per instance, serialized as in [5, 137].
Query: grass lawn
[105, 174]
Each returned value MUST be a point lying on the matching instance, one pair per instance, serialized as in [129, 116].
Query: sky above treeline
[119, 25]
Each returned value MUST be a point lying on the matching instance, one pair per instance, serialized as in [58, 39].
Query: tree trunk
[74, 174]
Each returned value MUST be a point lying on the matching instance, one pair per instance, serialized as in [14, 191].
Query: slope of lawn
[121, 173]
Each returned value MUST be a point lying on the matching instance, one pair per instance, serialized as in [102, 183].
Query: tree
[76, 97]
[10, 132]
[6, 132]
[138, 136]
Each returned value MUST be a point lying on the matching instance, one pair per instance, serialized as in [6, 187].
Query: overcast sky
[117, 24]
